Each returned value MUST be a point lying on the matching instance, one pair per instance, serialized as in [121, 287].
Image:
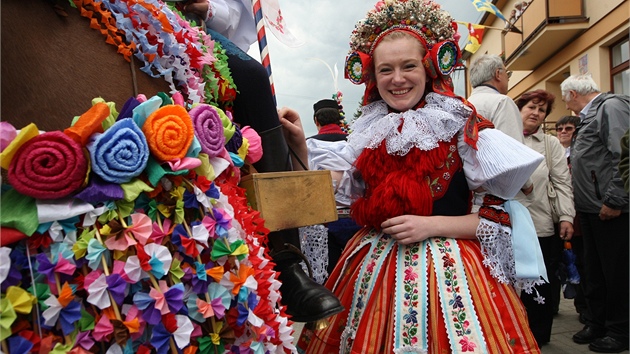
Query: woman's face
[400, 75]
[533, 115]
[565, 133]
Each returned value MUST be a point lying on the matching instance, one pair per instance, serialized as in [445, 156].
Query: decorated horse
[123, 226]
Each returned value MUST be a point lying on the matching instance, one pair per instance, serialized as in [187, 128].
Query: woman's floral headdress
[425, 20]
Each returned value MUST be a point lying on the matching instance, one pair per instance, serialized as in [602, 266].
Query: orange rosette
[169, 132]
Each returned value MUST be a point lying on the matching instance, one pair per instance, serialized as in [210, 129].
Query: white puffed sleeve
[500, 165]
[337, 156]
[234, 20]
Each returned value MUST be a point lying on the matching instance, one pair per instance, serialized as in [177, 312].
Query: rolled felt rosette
[169, 132]
[48, 166]
[120, 153]
[254, 150]
[208, 129]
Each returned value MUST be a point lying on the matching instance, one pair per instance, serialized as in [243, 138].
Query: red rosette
[49, 166]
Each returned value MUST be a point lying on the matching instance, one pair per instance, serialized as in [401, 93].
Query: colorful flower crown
[424, 17]
[425, 20]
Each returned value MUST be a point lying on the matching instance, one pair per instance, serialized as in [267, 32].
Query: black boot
[306, 300]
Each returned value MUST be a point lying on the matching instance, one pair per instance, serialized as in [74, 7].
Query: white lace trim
[314, 242]
[440, 119]
[498, 255]
[496, 247]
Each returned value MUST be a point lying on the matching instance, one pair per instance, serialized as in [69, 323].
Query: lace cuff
[496, 244]
[495, 236]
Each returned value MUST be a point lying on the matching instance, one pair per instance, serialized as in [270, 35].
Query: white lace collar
[440, 119]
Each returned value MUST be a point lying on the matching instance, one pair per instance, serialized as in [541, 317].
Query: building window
[619, 68]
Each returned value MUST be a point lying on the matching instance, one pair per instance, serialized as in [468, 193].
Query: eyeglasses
[567, 129]
[508, 72]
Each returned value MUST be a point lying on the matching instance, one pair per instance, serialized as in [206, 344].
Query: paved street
[565, 325]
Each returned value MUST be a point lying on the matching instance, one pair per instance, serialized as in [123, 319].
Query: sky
[324, 26]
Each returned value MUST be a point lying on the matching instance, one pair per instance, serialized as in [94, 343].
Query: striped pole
[262, 45]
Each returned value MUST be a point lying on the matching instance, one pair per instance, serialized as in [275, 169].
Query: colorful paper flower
[63, 309]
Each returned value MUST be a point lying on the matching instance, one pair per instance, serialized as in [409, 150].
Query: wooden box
[291, 199]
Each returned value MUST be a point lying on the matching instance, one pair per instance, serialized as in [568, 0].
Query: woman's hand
[407, 229]
[566, 230]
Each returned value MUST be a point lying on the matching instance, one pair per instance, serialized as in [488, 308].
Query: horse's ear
[60, 7]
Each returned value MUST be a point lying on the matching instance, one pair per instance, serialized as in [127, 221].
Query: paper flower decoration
[169, 132]
[169, 260]
[7, 318]
[49, 269]
[155, 259]
[62, 309]
[177, 327]
[5, 266]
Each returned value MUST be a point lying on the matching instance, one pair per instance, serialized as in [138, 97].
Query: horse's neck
[53, 66]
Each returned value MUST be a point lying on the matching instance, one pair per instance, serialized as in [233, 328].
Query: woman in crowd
[535, 106]
[424, 274]
[565, 127]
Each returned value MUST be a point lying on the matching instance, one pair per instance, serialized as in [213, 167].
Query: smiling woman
[424, 275]
[400, 75]
[552, 175]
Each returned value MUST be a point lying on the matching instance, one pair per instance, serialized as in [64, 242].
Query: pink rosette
[254, 151]
[208, 129]
[49, 166]
[7, 134]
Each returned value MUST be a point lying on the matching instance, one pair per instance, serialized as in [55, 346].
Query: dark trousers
[606, 273]
[339, 233]
[540, 316]
[577, 245]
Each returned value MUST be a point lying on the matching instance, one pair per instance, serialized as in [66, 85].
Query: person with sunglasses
[565, 128]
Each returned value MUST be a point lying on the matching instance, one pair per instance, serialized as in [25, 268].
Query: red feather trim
[398, 185]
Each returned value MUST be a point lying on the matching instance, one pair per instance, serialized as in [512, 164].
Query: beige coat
[537, 202]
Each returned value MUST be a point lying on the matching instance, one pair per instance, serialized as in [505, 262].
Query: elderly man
[602, 205]
[489, 78]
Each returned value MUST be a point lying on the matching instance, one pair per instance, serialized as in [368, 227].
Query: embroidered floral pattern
[458, 314]
[364, 287]
[439, 179]
[410, 303]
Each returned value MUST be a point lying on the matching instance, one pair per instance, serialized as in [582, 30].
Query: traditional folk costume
[442, 294]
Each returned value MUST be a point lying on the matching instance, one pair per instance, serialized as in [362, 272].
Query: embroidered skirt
[430, 297]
